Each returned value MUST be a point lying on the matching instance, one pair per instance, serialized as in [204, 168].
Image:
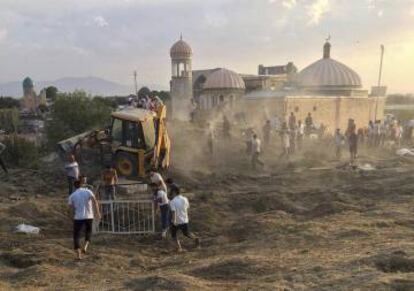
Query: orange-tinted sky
[49, 39]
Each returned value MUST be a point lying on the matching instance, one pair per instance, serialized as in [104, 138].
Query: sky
[50, 39]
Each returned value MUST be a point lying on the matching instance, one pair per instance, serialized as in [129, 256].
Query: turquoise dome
[28, 83]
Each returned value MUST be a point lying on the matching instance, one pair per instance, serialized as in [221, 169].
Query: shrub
[21, 152]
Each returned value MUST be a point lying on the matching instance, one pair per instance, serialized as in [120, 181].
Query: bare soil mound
[234, 269]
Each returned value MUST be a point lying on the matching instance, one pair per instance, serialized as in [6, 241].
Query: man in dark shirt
[353, 145]
[308, 123]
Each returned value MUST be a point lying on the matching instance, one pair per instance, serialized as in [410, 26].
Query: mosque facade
[328, 89]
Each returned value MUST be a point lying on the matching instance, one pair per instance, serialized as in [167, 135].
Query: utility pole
[379, 81]
[380, 68]
[135, 83]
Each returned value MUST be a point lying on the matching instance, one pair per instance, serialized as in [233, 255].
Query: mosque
[31, 101]
[329, 90]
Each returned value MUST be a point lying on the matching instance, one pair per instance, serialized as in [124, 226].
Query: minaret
[181, 81]
[29, 95]
[327, 50]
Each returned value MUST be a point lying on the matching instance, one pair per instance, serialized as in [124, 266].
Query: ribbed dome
[181, 49]
[328, 73]
[224, 79]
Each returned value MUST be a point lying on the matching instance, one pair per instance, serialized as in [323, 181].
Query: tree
[143, 92]
[51, 93]
[9, 102]
[75, 113]
[164, 95]
[9, 120]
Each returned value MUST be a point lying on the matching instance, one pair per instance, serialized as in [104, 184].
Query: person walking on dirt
[300, 134]
[285, 138]
[72, 172]
[110, 179]
[161, 201]
[82, 201]
[339, 143]
[157, 179]
[210, 139]
[267, 129]
[256, 151]
[308, 124]
[293, 133]
[353, 145]
[2, 164]
[179, 206]
[226, 128]
[292, 121]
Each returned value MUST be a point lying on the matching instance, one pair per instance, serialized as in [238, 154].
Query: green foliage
[8, 103]
[74, 113]
[21, 152]
[51, 93]
[43, 108]
[144, 91]
[9, 120]
[164, 95]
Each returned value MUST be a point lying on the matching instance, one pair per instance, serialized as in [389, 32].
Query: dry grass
[288, 227]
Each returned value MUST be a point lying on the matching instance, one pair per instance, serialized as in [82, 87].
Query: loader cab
[133, 141]
[133, 133]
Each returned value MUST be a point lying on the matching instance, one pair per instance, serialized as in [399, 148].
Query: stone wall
[332, 111]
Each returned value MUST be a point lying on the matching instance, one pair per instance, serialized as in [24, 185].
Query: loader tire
[126, 164]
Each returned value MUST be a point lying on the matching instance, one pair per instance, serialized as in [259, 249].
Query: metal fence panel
[126, 217]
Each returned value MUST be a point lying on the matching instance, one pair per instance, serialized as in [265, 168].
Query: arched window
[181, 69]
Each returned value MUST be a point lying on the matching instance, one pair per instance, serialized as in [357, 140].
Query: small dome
[327, 72]
[28, 83]
[181, 49]
[224, 79]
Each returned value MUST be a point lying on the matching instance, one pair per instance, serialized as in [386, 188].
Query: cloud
[215, 19]
[371, 4]
[289, 4]
[317, 10]
[3, 34]
[380, 13]
[100, 21]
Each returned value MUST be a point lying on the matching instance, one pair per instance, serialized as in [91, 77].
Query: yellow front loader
[136, 141]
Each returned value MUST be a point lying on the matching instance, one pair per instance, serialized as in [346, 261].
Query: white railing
[126, 217]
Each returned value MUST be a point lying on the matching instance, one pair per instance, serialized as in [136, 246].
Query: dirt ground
[304, 223]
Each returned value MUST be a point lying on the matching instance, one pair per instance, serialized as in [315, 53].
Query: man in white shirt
[179, 206]
[300, 133]
[72, 172]
[161, 201]
[256, 150]
[156, 178]
[81, 201]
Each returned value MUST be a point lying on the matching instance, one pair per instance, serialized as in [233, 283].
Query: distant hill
[92, 85]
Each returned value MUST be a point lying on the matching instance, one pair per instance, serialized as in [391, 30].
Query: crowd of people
[169, 202]
[293, 132]
[146, 102]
